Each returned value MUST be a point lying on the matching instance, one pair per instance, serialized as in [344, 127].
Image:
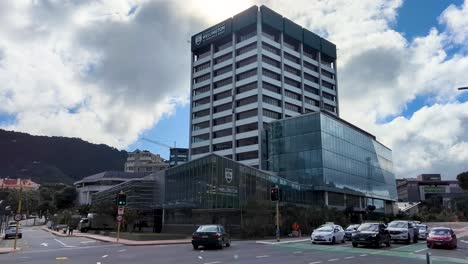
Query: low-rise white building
[145, 161]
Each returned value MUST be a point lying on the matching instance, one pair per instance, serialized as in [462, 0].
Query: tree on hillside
[65, 198]
[463, 180]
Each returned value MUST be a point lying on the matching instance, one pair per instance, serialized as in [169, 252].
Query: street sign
[18, 217]
[120, 210]
[119, 218]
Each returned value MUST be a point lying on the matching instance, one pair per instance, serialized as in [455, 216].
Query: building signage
[434, 189]
[228, 175]
[212, 33]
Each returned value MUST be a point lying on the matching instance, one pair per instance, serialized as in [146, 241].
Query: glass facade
[329, 154]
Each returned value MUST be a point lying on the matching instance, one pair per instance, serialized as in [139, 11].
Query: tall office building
[250, 70]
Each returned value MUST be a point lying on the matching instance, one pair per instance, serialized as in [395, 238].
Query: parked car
[423, 231]
[328, 233]
[441, 237]
[11, 232]
[211, 235]
[373, 234]
[402, 231]
[349, 231]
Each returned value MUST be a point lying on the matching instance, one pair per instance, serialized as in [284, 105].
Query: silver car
[10, 232]
[423, 231]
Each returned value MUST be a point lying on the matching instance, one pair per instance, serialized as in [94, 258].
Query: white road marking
[262, 256]
[105, 256]
[464, 241]
[86, 242]
[421, 250]
[213, 262]
[363, 255]
[98, 262]
[67, 248]
[402, 247]
[350, 257]
[333, 260]
[44, 244]
[200, 257]
[376, 252]
[58, 241]
[297, 252]
[61, 258]
[122, 250]
[283, 242]
[316, 262]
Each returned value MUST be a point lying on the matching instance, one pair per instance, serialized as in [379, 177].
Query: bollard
[428, 258]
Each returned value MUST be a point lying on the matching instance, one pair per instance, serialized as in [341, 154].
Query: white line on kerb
[421, 250]
[58, 241]
[333, 260]
[262, 256]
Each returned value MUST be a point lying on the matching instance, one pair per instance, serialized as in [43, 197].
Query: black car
[373, 234]
[211, 235]
[349, 231]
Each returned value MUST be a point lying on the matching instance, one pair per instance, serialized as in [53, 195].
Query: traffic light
[121, 199]
[274, 194]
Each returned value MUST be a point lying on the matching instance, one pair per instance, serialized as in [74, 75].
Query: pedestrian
[70, 230]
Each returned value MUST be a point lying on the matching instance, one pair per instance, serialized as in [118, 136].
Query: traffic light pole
[277, 217]
[121, 202]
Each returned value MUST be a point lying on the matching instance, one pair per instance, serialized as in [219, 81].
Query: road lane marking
[283, 242]
[67, 248]
[363, 255]
[105, 256]
[44, 244]
[58, 241]
[333, 260]
[86, 242]
[122, 250]
[316, 262]
[350, 257]
[421, 250]
[376, 252]
[297, 252]
[200, 257]
[262, 256]
[61, 258]
[213, 262]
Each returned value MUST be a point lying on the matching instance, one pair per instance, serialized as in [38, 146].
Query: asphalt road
[82, 250]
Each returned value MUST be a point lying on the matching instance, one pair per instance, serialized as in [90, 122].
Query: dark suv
[373, 234]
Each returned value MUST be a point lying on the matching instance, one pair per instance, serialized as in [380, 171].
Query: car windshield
[325, 229]
[368, 227]
[207, 229]
[440, 232]
[352, 227]
[398, 224]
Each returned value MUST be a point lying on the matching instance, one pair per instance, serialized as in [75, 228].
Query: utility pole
[18, 214]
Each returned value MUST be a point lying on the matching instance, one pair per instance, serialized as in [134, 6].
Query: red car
[441, 237]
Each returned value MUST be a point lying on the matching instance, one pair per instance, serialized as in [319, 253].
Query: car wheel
[220, 245]
[228, 244]
[355, 244]
[195, 247]
[333, 241]
[342, 241]
[314, 242]
[6, 237]
[20, 236]
[378, 244]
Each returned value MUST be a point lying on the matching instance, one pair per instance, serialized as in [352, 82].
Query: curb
[122, 241]
[8, 250]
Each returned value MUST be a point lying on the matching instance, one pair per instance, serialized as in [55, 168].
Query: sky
[115, 72]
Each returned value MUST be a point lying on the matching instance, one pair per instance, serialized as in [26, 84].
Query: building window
[270, 48]
[228, 156]
[222, 120]
[201, 90]
[292, 95]
[202, 67]
[223, 70]
[270, 33]
[328, 96]
[247, 155]
[246, 87]
[223, 107]
[246, 49]
[201, 78]
[292, 58]
[222, 146]
[271, 100]
[311, 78]
[310, 53]
[272, 88]
[200, 150]
[201, 113]
[222, 133]
[271, 61]
[246, 114]
[246, 33]
[271, 74]
[328, 85]
[292, 107]
[328, 107]
[201, 125]
[222, 95]
[246, 141]
[292, 82]
[200, 138]
[245, 75]
[328, 61]
[328, 74]
[202, 55]
[311, 101]
[310, 66]
[247, 128]
[311, 89]
[336, 199]
[222, 82]
[292, 70]
[223, 58]
[247, 61]
[246, 101]
[271, 114]
[224, 44]
[203, 101]
[291, 43]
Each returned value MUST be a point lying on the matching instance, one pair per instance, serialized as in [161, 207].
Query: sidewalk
[121, 241]
[8, 250]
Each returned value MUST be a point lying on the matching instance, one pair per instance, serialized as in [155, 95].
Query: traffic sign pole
[16, 218]
[118, 231]
[277, 218]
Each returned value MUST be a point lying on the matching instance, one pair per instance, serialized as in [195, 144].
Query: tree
[65, 198]
[463, 180]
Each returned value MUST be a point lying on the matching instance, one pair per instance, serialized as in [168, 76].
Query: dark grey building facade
[178, 156]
